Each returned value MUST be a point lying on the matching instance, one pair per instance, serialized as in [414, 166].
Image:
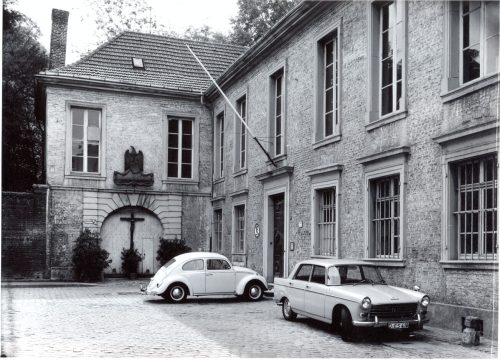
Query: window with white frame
[475, 208]
[388, 49]
[326, 222]
[479, 39]
[86, 128]
[219, 146]
[276, 112]
[239, 229]
[180, 148]
[385, 221]
[217, 239]
[328, 86]
[241, 106]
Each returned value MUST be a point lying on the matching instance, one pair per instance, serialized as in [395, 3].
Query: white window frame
[279, 72]
[236, 248]
[219, 132]
[239, 131]
[69, 173]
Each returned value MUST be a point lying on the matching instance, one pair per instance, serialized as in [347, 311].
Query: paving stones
[114, 319]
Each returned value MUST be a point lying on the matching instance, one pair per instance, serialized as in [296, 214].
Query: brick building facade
[381, 119]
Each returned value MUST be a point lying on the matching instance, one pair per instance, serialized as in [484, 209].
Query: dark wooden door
[278, 234]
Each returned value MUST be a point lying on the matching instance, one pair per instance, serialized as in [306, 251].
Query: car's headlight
[425, 301]
[366, 303]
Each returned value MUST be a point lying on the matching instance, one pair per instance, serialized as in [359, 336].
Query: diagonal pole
[232, 107]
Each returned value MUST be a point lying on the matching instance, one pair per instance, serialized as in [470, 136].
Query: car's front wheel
[177, 293]
[254, 291]
[288, 313]
[347, 330]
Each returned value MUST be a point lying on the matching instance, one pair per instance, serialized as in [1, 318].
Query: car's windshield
[168, 263]
[359, 274]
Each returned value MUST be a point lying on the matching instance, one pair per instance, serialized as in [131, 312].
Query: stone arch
[97, 205]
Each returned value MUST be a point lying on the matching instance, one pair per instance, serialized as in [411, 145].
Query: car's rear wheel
[177, 293]
[288, 313]
[254, 291]
[347, 330]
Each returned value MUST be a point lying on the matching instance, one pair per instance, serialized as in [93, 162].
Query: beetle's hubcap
[177, 293]
[255, 291]
[287, 307]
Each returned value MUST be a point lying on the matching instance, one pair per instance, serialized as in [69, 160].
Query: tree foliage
[205, 33]
[22, 132]
[256, 17]
[170, 249]
[89, 259]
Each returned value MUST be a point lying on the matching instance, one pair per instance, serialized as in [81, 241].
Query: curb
[44, 284]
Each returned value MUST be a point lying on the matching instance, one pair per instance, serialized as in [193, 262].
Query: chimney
[58, 38]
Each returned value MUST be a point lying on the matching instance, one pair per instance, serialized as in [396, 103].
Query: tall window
[86, 139]
[217, 243]
[330, 87]
[242, 154]
[327, 222]
[391, 59]
[278, 116]
[219, 145]
[476, 208]
[180, 148]
[239, 218]
[479, 32]
[386, 215]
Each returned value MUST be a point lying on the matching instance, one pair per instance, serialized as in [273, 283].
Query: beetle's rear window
[168, 263]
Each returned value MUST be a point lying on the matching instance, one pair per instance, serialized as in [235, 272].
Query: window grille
[327, 222]
[240, 228]
[386, 220]
[217, 231]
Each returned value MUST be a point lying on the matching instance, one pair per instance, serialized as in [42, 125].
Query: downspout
[210, 109]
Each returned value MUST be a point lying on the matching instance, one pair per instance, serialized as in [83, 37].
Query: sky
[176, 15]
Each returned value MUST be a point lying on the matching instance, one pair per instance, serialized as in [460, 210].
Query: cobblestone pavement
[113, 319]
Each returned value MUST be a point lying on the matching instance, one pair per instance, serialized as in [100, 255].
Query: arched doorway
[115, 233]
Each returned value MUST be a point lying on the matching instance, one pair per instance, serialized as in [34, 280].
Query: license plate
[399, 325]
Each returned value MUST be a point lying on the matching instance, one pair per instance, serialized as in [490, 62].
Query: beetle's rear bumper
[385, 322]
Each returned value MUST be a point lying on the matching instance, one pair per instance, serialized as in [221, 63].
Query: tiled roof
[168, 63]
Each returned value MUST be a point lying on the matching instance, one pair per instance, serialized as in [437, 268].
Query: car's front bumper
[376, 322]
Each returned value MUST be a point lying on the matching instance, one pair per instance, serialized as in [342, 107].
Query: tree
[256, 17]
[205, 33]
[22, 132]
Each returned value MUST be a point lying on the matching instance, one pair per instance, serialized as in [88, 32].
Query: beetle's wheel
[254, 292]
[288, 313]
[177, 293]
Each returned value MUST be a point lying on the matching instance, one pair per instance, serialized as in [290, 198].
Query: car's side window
[217, 264]
[303, 273]
[318, 275]
[193, 265]
[349, 274]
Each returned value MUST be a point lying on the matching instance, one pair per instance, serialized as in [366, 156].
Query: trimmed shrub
[130, 260]
[89, 259]
[169, 249]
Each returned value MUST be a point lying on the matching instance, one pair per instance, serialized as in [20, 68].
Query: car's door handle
[290, 283]
[209, 274]
[307, 286]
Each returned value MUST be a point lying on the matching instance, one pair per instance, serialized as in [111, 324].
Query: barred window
[476, 214]
[239, 214]
[217, 243]
[386, 217]
[327, 222]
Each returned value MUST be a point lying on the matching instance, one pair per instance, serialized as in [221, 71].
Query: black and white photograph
[250, 179]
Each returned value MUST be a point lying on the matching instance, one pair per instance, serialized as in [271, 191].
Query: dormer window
[137, 63]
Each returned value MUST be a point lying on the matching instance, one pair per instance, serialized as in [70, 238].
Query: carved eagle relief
[134, 161]
[134, 167]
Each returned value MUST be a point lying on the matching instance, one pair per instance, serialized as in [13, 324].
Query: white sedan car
[204, 274]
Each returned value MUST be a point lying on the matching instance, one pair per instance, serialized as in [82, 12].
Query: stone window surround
[318, 140]
[234, 227]
[385, 163]
[325, 177]
[457, 146]
[374, 119]
[279, 69]
[214, 237]
[220, 111]
[68, 173]
[196, 141]
[242, 94]
[451, 89]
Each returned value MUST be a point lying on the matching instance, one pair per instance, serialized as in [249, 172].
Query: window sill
[180, 181]
[324, 257]
[219, 180]
[385, 120]
[386, 262]
[469, 265]
[277, 159]
[86, 177]
[330, 140]
[240, 172]
[469, 88]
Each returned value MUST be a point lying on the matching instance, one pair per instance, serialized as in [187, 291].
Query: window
[388, 50]
[326, 222]
[217, 239]
[304, 272]
[318, 275]
[218, 264]
[193, 265]
[137, 63]
[475, 208]
[479, 39]
[241, 133]
[180, 148]
[86, 125]
[219, 143]
[385, 221]
[239, 219]
[328, 87]
[276, 111]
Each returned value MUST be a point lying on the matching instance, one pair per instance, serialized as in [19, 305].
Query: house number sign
[256, 230]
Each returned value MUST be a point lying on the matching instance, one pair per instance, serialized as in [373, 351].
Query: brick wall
[24, 234]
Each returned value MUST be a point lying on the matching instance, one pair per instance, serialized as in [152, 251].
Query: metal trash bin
[472, 329]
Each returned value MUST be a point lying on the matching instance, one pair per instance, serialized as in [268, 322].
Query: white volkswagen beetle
[204, 274]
